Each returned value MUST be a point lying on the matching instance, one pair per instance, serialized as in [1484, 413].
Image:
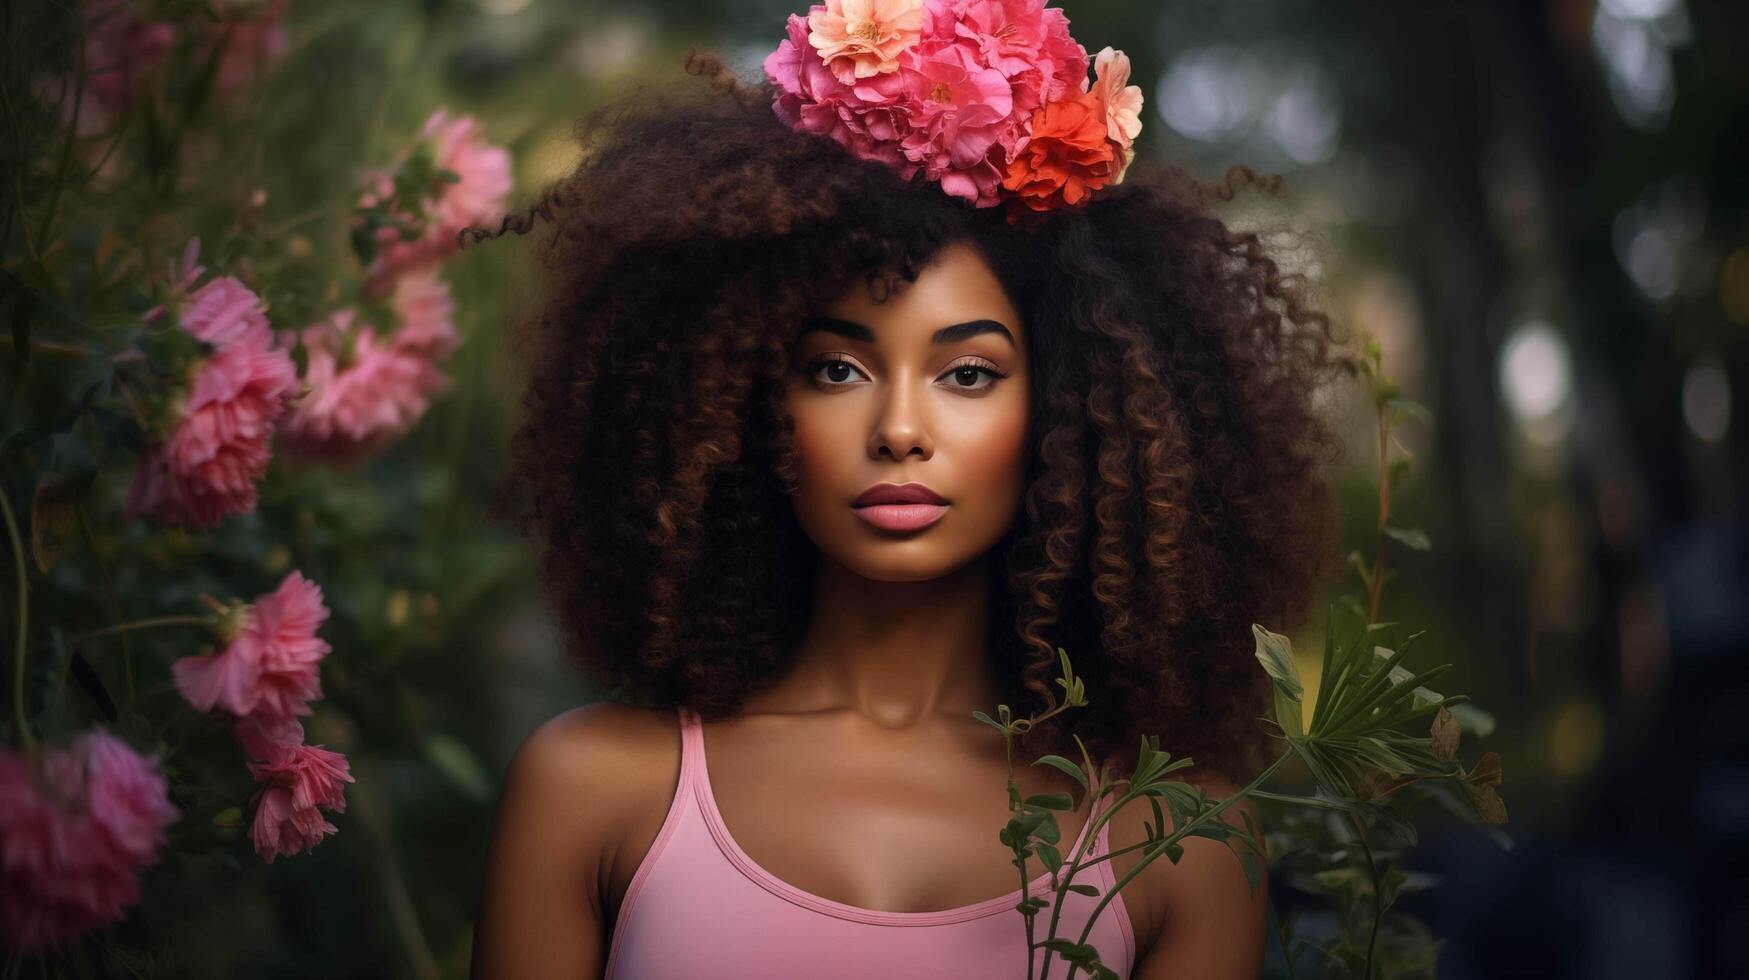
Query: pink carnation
[422, 302]
[74, 833]
[259, 733]
[218, 446]
[965, 110]
[271, 666]
[870, 118]
[365, 390]
[297, 783]
[477, 198]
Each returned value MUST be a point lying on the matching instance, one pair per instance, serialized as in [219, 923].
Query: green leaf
[1058, 762]
[1051, 801]
[1274, 652]
[1253, 868]
[1473, 719]
[1052, 858]
[1088, 890]
[1399, 470]
[993, 723]
[1276, 655]
[1412, 537]
[1047, 829]
[1409, 408]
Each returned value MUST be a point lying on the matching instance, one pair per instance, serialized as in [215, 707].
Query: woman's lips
[901, 517]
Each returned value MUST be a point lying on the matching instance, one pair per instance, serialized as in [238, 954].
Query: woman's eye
[965, 377]
[833, 371]
[837, 370]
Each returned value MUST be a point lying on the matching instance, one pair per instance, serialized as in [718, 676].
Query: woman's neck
[895, 652]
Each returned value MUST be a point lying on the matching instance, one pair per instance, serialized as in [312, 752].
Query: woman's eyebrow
[946, 335]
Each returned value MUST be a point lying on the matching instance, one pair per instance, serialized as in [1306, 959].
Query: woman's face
[929, 387]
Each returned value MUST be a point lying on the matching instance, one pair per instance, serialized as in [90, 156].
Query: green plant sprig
[1353, 746]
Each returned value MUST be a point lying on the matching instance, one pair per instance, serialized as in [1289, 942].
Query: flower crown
[990, 98]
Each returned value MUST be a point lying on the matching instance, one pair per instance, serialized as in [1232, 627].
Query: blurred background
[1540, 208]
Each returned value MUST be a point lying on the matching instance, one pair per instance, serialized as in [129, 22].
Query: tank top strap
[691, 751]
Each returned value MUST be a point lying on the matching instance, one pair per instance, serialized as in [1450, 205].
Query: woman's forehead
[955, 296]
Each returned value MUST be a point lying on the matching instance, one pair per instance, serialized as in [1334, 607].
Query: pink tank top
[698, 906]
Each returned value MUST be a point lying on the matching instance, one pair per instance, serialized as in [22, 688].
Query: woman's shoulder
[600, 754]
[600, 733]
[597, 770]
[576, 786]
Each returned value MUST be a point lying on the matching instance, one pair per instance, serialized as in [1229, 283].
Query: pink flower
[122, 54]
[297, 783]
[259, 732]
[271, 665]
[74, 832]
[954, 98]
[426, 311]
[860, 38]
[365, 391]
[477, 198]
[1123, 101]
[205, 468]
[870, 118]
[254, 37]
[964, 110]
[1027, 42]
[1123, 105]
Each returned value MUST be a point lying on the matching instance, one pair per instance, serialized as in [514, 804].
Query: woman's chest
[896, 828]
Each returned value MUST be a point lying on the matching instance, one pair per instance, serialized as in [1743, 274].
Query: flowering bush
[181, 371]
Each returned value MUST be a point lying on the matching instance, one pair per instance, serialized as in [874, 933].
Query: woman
[825, 450]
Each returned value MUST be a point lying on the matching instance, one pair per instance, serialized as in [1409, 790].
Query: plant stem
[1377, 585]
[1281, 935]
[1076, 865]
[103, 577]
[18, 176]
[373, 814]
[67, 147]
[1378, 898]
[141, 624]
[23, 618]
[1160, 848]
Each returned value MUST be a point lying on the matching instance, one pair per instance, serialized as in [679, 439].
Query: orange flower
[1067, 157]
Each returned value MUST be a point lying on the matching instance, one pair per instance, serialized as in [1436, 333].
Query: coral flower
[365, 391]
[271, 665]
[1066, 157]
[205, 468]
[298, 782]
[74, 833]
[860, 38]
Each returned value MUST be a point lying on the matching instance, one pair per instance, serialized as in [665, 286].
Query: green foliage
[1344, 842]
[94, 606]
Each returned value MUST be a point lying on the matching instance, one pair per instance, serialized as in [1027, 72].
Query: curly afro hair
[1178, 475]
